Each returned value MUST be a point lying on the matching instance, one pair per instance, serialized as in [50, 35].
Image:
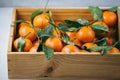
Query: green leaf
[103, 52]
[39, 48]
[113, 9]
[35, 13]
[101, 42]
[51, 18]
[96, 12]
[116, 33]
[47, 31]
[84, 48]
[38, 32]
[72, 29]
[21, 44]
[83, 22]
[71, 23]
[44, 39]
[48, 52]
[100, 48]
[117, 44]
[20, 20]
[66, 40]
[63, 27]
[99, 28]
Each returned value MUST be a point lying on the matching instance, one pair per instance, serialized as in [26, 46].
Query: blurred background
[59, 3]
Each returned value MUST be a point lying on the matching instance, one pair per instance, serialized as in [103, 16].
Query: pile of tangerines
[96, 35]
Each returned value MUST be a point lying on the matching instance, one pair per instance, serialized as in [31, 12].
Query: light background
[58, 3]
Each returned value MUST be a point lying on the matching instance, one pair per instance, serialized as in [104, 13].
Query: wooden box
[61, 66]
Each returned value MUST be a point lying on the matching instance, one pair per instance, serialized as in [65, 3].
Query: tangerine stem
[92, 22]
[58, 35]
[26, 35]
[55, 27]
[44, 11]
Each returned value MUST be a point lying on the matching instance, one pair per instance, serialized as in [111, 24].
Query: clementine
[70, 48]
[41, 20]
[86, 34]
[110, 18]
[28, 44]
[55, 43]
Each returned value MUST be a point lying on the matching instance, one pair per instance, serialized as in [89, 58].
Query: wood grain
[118, 12]
[58, 14]
[35, 65]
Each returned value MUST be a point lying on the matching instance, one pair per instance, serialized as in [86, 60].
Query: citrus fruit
[26, 23]
[28, 44]
[73, 38]
[101, 22]
[85, 34]
[41, 20]
[57, 22]
[33, 49]
[114, 50]
[36, 43]
[24, 30]
[110, 41]
[56, 32]
[103, 34]
[89, 45]
[55, 43]
[70, 48]
[110, 18]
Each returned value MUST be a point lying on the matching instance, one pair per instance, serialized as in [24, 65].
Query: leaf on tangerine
[35, 13]
[113, 9]
[48, 52]
[21, 44]
[96, 12]
[100, 28]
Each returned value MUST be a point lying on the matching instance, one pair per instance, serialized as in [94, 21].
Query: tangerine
[110, 18]
[110, 41]
[33, 49]
[101, 22]
[41, 20]
[113, 50]
[56, 32]
[73, 38]
[70, 48]
[86, 34]
[28, 44]
[36, 43]
[89, 45]
[23, 30]
[57, 22]
[55, 43]
[26, 23]
[105, 25]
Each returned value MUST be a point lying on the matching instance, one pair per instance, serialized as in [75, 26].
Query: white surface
[59, 3]
[5, 21]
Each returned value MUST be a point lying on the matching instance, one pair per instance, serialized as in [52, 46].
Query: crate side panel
[118, 23]
[58, 14]
[26, 65]
[10, 39]
[12, 30]
[90, 66]
[64, 65]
